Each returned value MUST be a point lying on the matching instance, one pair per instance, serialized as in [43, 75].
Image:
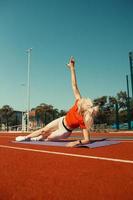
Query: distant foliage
[112, 110]
[6, 113]
[113, 107]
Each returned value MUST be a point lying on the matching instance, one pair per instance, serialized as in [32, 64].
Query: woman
[80, 115]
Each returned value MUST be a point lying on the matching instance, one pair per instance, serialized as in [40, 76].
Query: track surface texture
[38, 172]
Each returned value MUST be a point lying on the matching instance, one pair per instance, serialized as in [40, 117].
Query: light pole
[28, 86]
[24, 114]
[131, 69]
[128, 105]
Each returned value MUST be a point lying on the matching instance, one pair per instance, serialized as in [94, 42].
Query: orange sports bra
[74, 119]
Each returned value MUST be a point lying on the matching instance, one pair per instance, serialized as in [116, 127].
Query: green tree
[119, 104]
[101, 101]
[56, 113]
[5, 113]
[104, 115]
[111, 108]
[44, 113]
[62, 113]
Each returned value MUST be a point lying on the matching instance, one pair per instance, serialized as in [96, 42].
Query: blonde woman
[79, 116]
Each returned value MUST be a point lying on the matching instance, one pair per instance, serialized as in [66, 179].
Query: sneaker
[21, 138]
[38, 138]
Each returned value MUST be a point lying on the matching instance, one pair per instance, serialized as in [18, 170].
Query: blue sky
[98, 33]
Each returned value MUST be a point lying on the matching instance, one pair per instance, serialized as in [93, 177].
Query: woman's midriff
[70, 128]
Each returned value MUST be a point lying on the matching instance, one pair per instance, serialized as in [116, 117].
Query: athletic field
[36, 172]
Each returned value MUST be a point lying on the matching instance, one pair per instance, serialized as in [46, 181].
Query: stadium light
[131, 69]
[28, 86]
[128, 105]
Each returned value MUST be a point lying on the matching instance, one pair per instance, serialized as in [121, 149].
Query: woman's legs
[51, 127]
[60, 133]
[57, 135]
[43, 132]
[53, 131]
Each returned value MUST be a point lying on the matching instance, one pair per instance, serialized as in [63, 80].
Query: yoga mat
[94, 144]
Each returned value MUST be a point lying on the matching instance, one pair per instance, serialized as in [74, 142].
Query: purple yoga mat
[63, 143]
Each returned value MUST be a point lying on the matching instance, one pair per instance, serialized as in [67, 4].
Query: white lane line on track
[68, 154]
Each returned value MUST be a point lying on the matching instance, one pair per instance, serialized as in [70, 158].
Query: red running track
[33, 175]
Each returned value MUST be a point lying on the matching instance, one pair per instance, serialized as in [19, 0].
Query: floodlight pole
[128, 105]
[28, 86]
[131, 69]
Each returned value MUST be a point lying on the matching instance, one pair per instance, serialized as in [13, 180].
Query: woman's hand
[71, 63]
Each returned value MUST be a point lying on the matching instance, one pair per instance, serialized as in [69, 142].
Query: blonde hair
[87, 110]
